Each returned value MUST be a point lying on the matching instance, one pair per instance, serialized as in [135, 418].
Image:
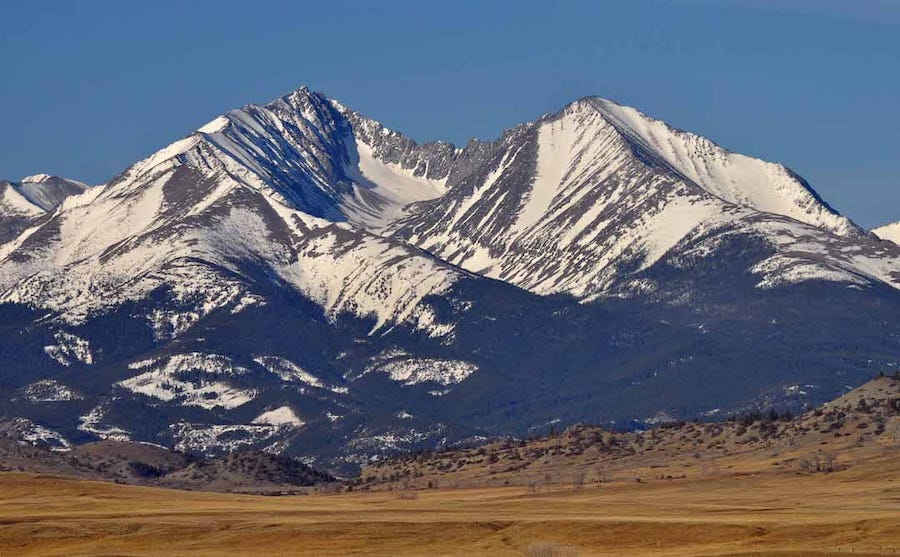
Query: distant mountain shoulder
[21, 203]
[889, 232]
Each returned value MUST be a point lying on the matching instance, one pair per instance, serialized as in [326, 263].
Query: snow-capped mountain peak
[261, 189]
[735, 178]
[583, 199]
[311, 154]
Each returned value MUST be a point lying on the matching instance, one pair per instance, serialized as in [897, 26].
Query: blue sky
[91, 86]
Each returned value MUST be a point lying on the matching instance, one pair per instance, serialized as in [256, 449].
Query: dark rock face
[298, 279]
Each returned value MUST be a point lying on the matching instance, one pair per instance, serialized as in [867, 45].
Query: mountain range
[297, 278]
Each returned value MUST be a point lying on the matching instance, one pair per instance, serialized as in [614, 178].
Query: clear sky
[89, 86]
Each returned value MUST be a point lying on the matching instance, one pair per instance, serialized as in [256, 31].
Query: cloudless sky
[90, 86]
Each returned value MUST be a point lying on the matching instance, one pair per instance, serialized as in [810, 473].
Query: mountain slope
[734, 178]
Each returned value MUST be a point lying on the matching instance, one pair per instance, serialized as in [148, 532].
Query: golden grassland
[854, 511]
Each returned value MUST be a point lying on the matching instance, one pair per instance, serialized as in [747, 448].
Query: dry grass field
[854, 511]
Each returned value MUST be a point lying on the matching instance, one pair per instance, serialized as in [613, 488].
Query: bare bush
[819, 462]
[828, 462]
[578, 479]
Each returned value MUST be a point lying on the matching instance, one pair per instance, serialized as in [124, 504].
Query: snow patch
[382, 190]
[220, 438]
[193, 379]
[49, 390]
[282, 416]
[411, 371]
[93, 422]
[70, 349]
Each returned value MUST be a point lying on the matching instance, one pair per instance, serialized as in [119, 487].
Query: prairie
[766, 513]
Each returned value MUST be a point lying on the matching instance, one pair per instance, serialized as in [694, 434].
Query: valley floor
[855, 511]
